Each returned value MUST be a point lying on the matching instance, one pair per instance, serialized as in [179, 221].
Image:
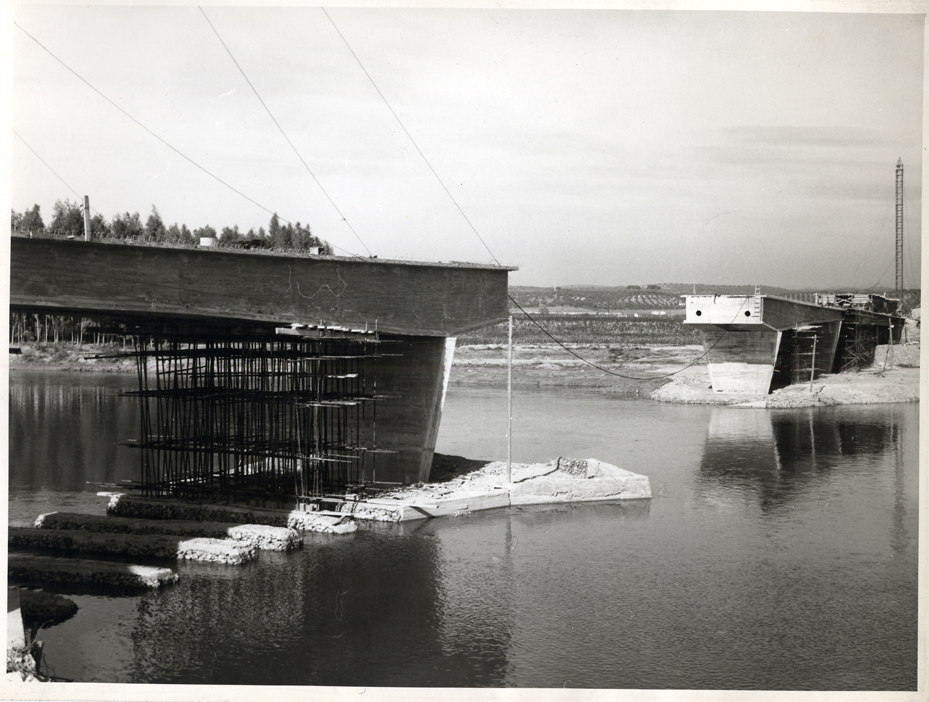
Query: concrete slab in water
[77, 574]
[269, 538]
[135, 545]
[123, 505]
[562, 480]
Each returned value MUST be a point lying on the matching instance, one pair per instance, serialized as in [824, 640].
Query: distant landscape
[665, 296]
[623, 315]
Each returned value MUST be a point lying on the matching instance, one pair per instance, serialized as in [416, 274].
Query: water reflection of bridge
[364, 612]
[429, 604]
[777, 453]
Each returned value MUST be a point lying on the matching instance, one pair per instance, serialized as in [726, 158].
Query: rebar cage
[242, 419]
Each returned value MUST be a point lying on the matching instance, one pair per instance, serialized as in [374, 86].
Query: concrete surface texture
[560, 480]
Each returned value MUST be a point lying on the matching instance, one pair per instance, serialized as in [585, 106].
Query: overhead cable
[281, 130]
[608, 371]
[36, 154]
[410, 137]
[170, 146]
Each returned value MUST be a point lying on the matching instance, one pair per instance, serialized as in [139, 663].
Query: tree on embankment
[68, 220]
[29, 221]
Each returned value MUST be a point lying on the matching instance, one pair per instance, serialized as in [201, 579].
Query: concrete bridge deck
[226, 286]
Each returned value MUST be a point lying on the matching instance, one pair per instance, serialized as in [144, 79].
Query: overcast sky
[602, 147]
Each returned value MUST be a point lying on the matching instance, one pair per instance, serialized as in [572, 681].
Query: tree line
[30, 327]
[68, 220]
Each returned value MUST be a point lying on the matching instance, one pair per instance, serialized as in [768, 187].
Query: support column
[741, 361]
[413, 374]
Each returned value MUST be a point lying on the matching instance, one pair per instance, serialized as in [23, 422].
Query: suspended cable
[871, 241]
[883, 272]
[281, 130]
[173, 148]
[44, 163]
[34, 153]
[620, 375]
[410, 137]
[474, 229]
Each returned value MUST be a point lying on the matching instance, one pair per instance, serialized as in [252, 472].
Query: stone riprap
[215, 551]
[132, 545]
[45, 609]
[561, 480]
[267, 538]
[372, 510]
[321, 522]
[80, 574]
[122, 505]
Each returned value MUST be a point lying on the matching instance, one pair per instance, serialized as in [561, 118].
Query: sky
[600, 147]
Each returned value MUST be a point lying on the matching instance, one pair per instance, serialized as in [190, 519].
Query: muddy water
[779, 552]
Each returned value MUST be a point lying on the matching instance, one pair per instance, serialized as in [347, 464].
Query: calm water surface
[779, 552]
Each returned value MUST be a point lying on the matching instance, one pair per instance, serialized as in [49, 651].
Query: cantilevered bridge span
[270, 376]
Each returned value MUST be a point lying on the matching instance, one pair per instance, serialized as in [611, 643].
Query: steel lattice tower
[899, 281]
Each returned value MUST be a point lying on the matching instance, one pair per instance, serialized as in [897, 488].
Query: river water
[779, 552]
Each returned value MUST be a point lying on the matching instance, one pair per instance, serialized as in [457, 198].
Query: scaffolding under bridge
[288, 416]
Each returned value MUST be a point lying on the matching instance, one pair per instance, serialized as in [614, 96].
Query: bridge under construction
[268, 376]
[756, 343]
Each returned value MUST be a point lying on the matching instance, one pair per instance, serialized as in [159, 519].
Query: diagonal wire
[410, 137]
[620, 375]
[865, 257]
[44, 163]
[477, 234]
[281, 130]
[174, 149]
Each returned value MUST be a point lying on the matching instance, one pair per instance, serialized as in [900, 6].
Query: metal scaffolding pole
[253, 418]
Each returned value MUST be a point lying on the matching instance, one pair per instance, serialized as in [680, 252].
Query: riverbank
[632, 371]
[678, 374]
[660, 372]
[870, 386]
[95, 358]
